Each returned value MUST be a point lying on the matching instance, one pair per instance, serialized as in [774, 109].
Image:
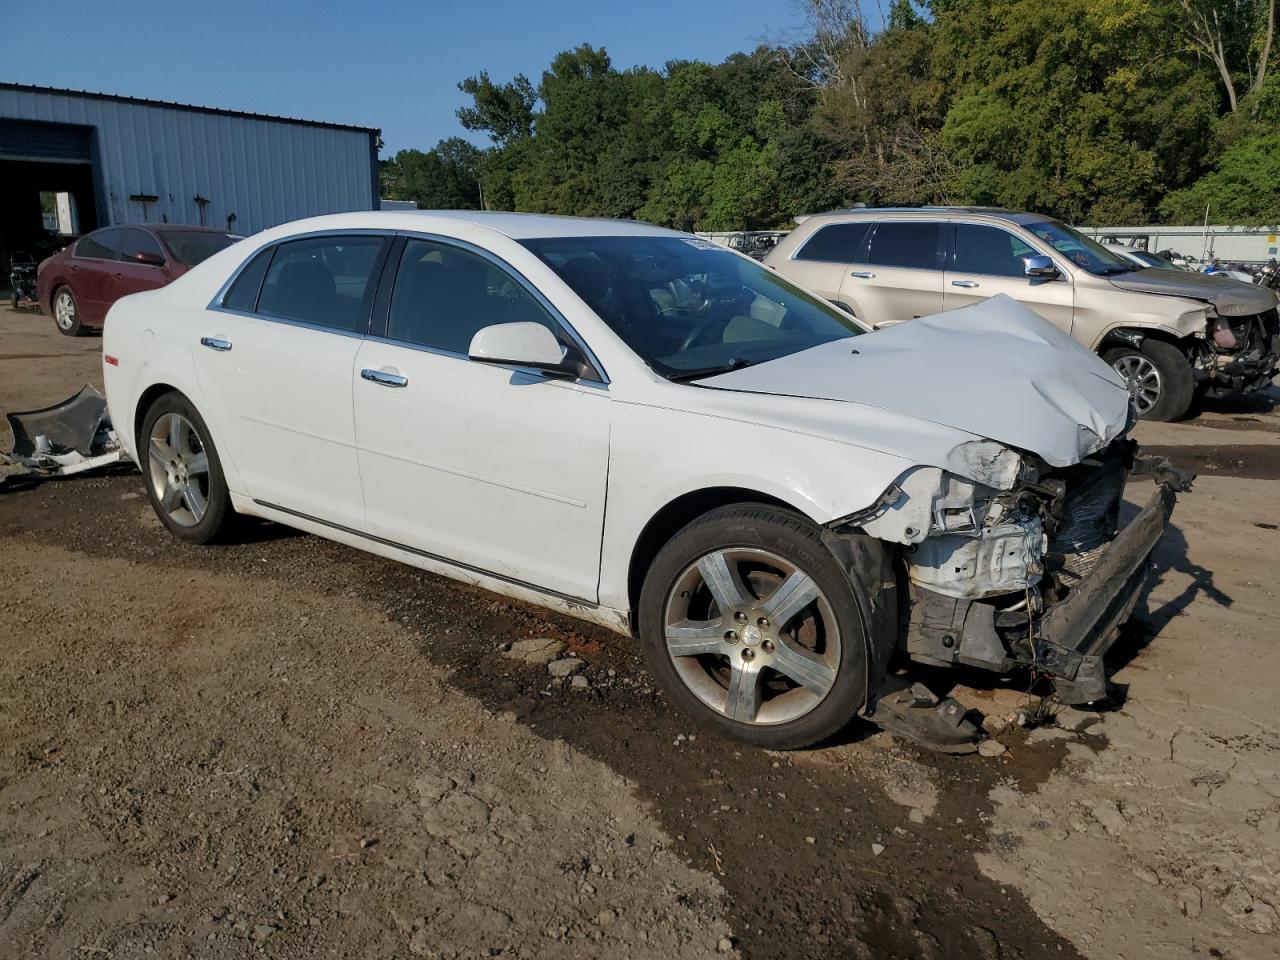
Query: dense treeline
[1096, 111]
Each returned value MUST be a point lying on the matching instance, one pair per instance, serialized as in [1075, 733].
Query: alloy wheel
[1142, 378]
[64, 310]
[752, 636]
[179, 468]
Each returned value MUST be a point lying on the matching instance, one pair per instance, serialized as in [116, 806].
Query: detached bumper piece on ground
[67, 438]
[1063, 628]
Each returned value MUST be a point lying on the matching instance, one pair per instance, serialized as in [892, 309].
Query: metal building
[72, 161]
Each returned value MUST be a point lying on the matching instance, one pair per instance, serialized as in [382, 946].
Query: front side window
[990, 251]
[100, 245]
[445, 295]
[326, 281]
[190, 247]
[1084, 252]
[836, 243]
[905, 243]
[134, 242]
[687, 307]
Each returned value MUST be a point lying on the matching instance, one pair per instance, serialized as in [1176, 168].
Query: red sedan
[78, 285]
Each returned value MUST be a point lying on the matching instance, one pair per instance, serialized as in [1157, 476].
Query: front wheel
[182, 472]
[1159, 377]
[751, 627]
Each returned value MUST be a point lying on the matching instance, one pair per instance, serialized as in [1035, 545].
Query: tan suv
[1168, 332]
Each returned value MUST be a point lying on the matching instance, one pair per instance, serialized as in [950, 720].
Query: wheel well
[149, 396]
[1134, 337]
[666, 522]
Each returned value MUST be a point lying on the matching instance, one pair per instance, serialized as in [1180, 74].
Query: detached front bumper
[1074, 635]
[1068, 639]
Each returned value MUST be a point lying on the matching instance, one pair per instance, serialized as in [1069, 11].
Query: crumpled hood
[1230, 298]
[996, 370]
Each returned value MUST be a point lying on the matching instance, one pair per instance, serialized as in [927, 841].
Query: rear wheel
[66, 312]
[751, 627]
[1159, 377]
[182, 472]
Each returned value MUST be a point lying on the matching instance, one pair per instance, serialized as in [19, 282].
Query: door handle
[215, 343]
[863, 275]
[965, 283]
[382, 378]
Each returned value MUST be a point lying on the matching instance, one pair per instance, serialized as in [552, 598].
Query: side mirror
[148, 259]
[523, 344]
[1039, 266]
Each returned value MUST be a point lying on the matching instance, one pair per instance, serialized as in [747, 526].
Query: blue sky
[393, 65]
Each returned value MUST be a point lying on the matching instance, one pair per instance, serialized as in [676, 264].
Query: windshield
[1083, 252]
[688, 307]
[1152, 260]
[196, 246]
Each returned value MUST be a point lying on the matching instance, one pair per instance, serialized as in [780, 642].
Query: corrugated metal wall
[262, 170]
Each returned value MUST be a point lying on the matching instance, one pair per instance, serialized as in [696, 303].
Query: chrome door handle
[965, 283]
[214, 343]
[384, 379]
[863, 275]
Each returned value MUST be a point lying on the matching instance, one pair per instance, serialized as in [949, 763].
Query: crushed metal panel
[67, 438]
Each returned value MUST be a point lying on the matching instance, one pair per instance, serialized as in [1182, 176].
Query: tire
[181, 471]
[1166, 385]
[66, 312]
[822, 624]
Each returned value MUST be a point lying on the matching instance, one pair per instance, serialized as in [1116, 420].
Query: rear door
[92, 271]
[132, 275]
[825, 258]
[985, 260]
[901, 276]
[275, 360]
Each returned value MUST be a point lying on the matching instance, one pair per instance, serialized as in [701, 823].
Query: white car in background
[661, 436]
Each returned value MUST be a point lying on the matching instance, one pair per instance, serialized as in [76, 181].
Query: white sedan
[662, 436]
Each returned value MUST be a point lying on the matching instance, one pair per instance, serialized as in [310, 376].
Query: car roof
[517, 226]
[997, 213]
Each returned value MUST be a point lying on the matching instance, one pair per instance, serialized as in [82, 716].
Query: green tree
[446, 177]
[1243, 187]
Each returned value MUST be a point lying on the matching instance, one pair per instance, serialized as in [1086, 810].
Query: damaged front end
[67, 438]
[1031, 568]
[1238, 353]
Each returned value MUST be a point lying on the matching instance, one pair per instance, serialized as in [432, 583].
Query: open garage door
[40, 165]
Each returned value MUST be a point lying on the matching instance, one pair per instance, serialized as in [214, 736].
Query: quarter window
[243, 294]
[100, 245]
[444, 295]
[905, 243]
[990, 251]
[837, 243]
[326, 281]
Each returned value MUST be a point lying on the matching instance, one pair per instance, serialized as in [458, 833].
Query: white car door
[275, 361]
[491, 467]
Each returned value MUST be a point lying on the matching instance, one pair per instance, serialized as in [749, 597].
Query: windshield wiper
[737, 363]
[1119, 269]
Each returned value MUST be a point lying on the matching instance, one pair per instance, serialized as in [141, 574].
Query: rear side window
[905, 243]
[101, 245]
[990, 251]
[243, 294]
[326, 281]
[444, 295]
[836, 243]
[134, 242]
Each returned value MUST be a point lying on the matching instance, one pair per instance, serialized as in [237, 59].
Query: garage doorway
[38, 163]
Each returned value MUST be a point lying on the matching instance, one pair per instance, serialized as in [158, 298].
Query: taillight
[110, 360]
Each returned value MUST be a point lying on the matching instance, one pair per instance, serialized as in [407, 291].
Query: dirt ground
[284, 747]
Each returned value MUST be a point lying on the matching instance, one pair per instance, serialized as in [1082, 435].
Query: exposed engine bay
[1239, 353]
[1039, 571]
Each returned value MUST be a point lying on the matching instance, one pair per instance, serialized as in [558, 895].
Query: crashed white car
[662, 436]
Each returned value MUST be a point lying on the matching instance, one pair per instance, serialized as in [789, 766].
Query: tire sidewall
[1177, 382]
[796, 540]
[219, 509]
[77, 326]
